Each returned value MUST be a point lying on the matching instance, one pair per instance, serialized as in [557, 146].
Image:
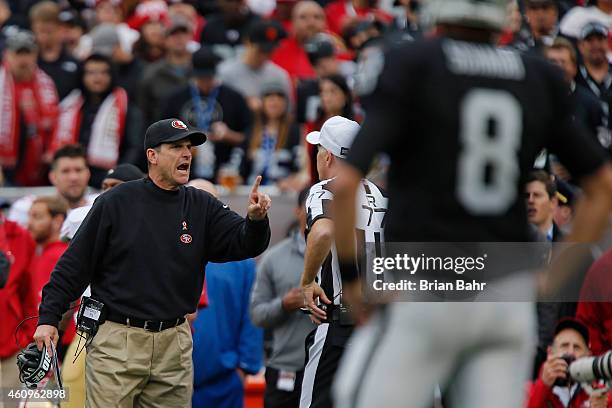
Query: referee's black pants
[324, 349]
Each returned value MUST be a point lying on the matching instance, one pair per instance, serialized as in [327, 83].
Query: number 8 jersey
[371, 205]
[462, 124]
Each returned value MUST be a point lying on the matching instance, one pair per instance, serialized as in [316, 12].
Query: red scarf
[107, 128]
[36, 103]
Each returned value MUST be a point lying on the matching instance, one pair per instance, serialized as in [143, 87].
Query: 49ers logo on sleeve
[178, 124]
[186, 239]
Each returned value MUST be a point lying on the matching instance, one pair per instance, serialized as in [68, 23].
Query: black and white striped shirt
[370, 220]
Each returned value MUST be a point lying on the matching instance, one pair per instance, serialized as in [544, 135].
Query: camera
[588, 369]
[564, 382]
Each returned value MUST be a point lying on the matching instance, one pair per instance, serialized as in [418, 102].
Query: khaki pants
[73, 375]
[131, 367]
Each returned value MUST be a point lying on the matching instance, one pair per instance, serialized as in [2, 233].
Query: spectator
[542, 17]
[541, 197]
[408, 21]
[595, 306]
[150, 46]
[186, 10]
[588, 109]
[98, 116]
[52, 58]
[213, 107]
[105, 41]
[225, 30]
[17, 301]
[359, 33]
[72, 29]
[275, 304]
[308, 20]
[69, 174]
[226, 345]
[594, 73]
[282, 13]
[336, 100]
[46, 216]
[147, 10]
[247, 73]
[322, 55]
[109, 12]
[552, 388]
[341, 13]
[578, 17]
[28, 112]
[274, 149]
[165, 77]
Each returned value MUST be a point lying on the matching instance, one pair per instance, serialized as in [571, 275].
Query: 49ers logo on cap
[177, 124]
[186, 239]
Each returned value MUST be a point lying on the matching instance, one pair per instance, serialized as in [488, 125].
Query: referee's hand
[259, 203]
[311, 292]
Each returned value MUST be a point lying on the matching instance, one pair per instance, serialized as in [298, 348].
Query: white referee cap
[336, 135]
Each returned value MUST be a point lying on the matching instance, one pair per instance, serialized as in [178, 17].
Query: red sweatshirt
[17, 299]
[41, 267]
[542, 396]
[597, 316]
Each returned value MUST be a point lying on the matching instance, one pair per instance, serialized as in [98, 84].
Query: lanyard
[595, 87]
[203, 117]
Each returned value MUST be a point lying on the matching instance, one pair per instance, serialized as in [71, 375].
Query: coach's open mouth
[183, 167]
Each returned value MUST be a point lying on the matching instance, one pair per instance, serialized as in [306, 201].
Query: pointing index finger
[256, 185]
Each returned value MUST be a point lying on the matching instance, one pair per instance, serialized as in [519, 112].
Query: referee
[142, 248]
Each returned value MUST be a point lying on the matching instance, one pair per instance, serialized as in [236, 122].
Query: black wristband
[348, 271]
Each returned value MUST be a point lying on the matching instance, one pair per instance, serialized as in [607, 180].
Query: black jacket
[144, 249]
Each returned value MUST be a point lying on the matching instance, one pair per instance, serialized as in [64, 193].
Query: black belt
[149, 325]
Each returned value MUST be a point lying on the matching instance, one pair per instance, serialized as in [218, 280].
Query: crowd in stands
[81, 80]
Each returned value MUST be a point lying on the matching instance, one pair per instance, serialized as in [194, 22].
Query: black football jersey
[462, 123]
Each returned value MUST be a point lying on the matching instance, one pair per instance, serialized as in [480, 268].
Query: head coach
[142, 247]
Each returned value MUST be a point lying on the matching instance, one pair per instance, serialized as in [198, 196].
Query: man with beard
[594, 72]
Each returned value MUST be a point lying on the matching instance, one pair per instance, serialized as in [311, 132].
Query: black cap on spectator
[177, 24]
[71, 18]
[125, 172]
[593, 28]
[319, 46]
[171, 130]
[566, 193]
[204, 62]
[266, 34]
[22, 40]
[571, 323]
